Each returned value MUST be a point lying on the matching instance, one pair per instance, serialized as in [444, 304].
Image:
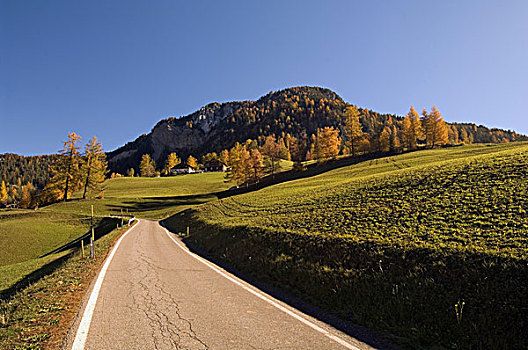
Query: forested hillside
[16, 169]
[290, 113]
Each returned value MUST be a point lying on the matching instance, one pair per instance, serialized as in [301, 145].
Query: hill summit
[293, 112]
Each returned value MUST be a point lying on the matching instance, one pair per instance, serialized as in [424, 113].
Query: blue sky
[115, 68]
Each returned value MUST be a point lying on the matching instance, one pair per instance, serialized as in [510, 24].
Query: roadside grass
[152, 198]
[13, 273]
[26, 236]
[39, 316]
[396, 244]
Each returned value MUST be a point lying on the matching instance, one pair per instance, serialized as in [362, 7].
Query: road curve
[158, 295]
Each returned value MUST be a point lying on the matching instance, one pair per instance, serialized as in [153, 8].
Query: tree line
[73, 169]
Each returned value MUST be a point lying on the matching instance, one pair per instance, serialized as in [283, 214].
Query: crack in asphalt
[168, 328]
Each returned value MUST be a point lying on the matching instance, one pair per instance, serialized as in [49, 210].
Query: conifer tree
[147, 166]
[66, 172]
[209, 157]
[375, 137]
[384, 140]
[272, 150]
[256, 165]
[292, 143]
[14, 195]
[234, 162]
[412, 129]
[3, 193]
[172, 161]
[192, 162]
[435, 128]
[326, 143]
[94, 167]
[395, 141]
[242, 170]
[224, 156]
[26, 198]
[353, 128]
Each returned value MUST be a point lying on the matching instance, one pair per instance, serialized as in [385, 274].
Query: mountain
[297, 112]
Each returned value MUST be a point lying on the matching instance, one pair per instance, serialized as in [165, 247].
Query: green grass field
[396, 244]
[153, 198]
[27, 235]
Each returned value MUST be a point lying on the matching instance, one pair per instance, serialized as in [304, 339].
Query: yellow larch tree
[94, 167]
[172, 161]
[326, 143]
[353, 129]
[3, 193]
[435, 128]
[412, 129]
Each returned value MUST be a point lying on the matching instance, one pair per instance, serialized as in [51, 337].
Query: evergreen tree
[95, 167]
[147, 166]
[353, 128]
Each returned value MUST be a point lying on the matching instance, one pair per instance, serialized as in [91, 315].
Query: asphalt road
[158, 295]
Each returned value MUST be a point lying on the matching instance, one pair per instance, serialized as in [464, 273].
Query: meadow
[152, 198]
[427, 248]
[27, 236]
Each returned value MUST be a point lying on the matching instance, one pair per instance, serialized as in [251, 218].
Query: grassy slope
[25, 235]
[394, 243]
[150, 197]
[39, 316]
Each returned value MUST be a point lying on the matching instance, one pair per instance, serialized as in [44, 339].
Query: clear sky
[115, 68]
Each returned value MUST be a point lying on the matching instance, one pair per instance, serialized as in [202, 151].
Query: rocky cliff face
[187, 135]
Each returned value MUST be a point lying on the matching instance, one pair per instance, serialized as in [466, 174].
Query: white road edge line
[84, 325]
[263, 297]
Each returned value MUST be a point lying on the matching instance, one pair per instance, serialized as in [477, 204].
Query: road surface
[155, 294]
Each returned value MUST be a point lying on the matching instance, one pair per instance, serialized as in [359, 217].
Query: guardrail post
[92, 246]
[92, 239]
